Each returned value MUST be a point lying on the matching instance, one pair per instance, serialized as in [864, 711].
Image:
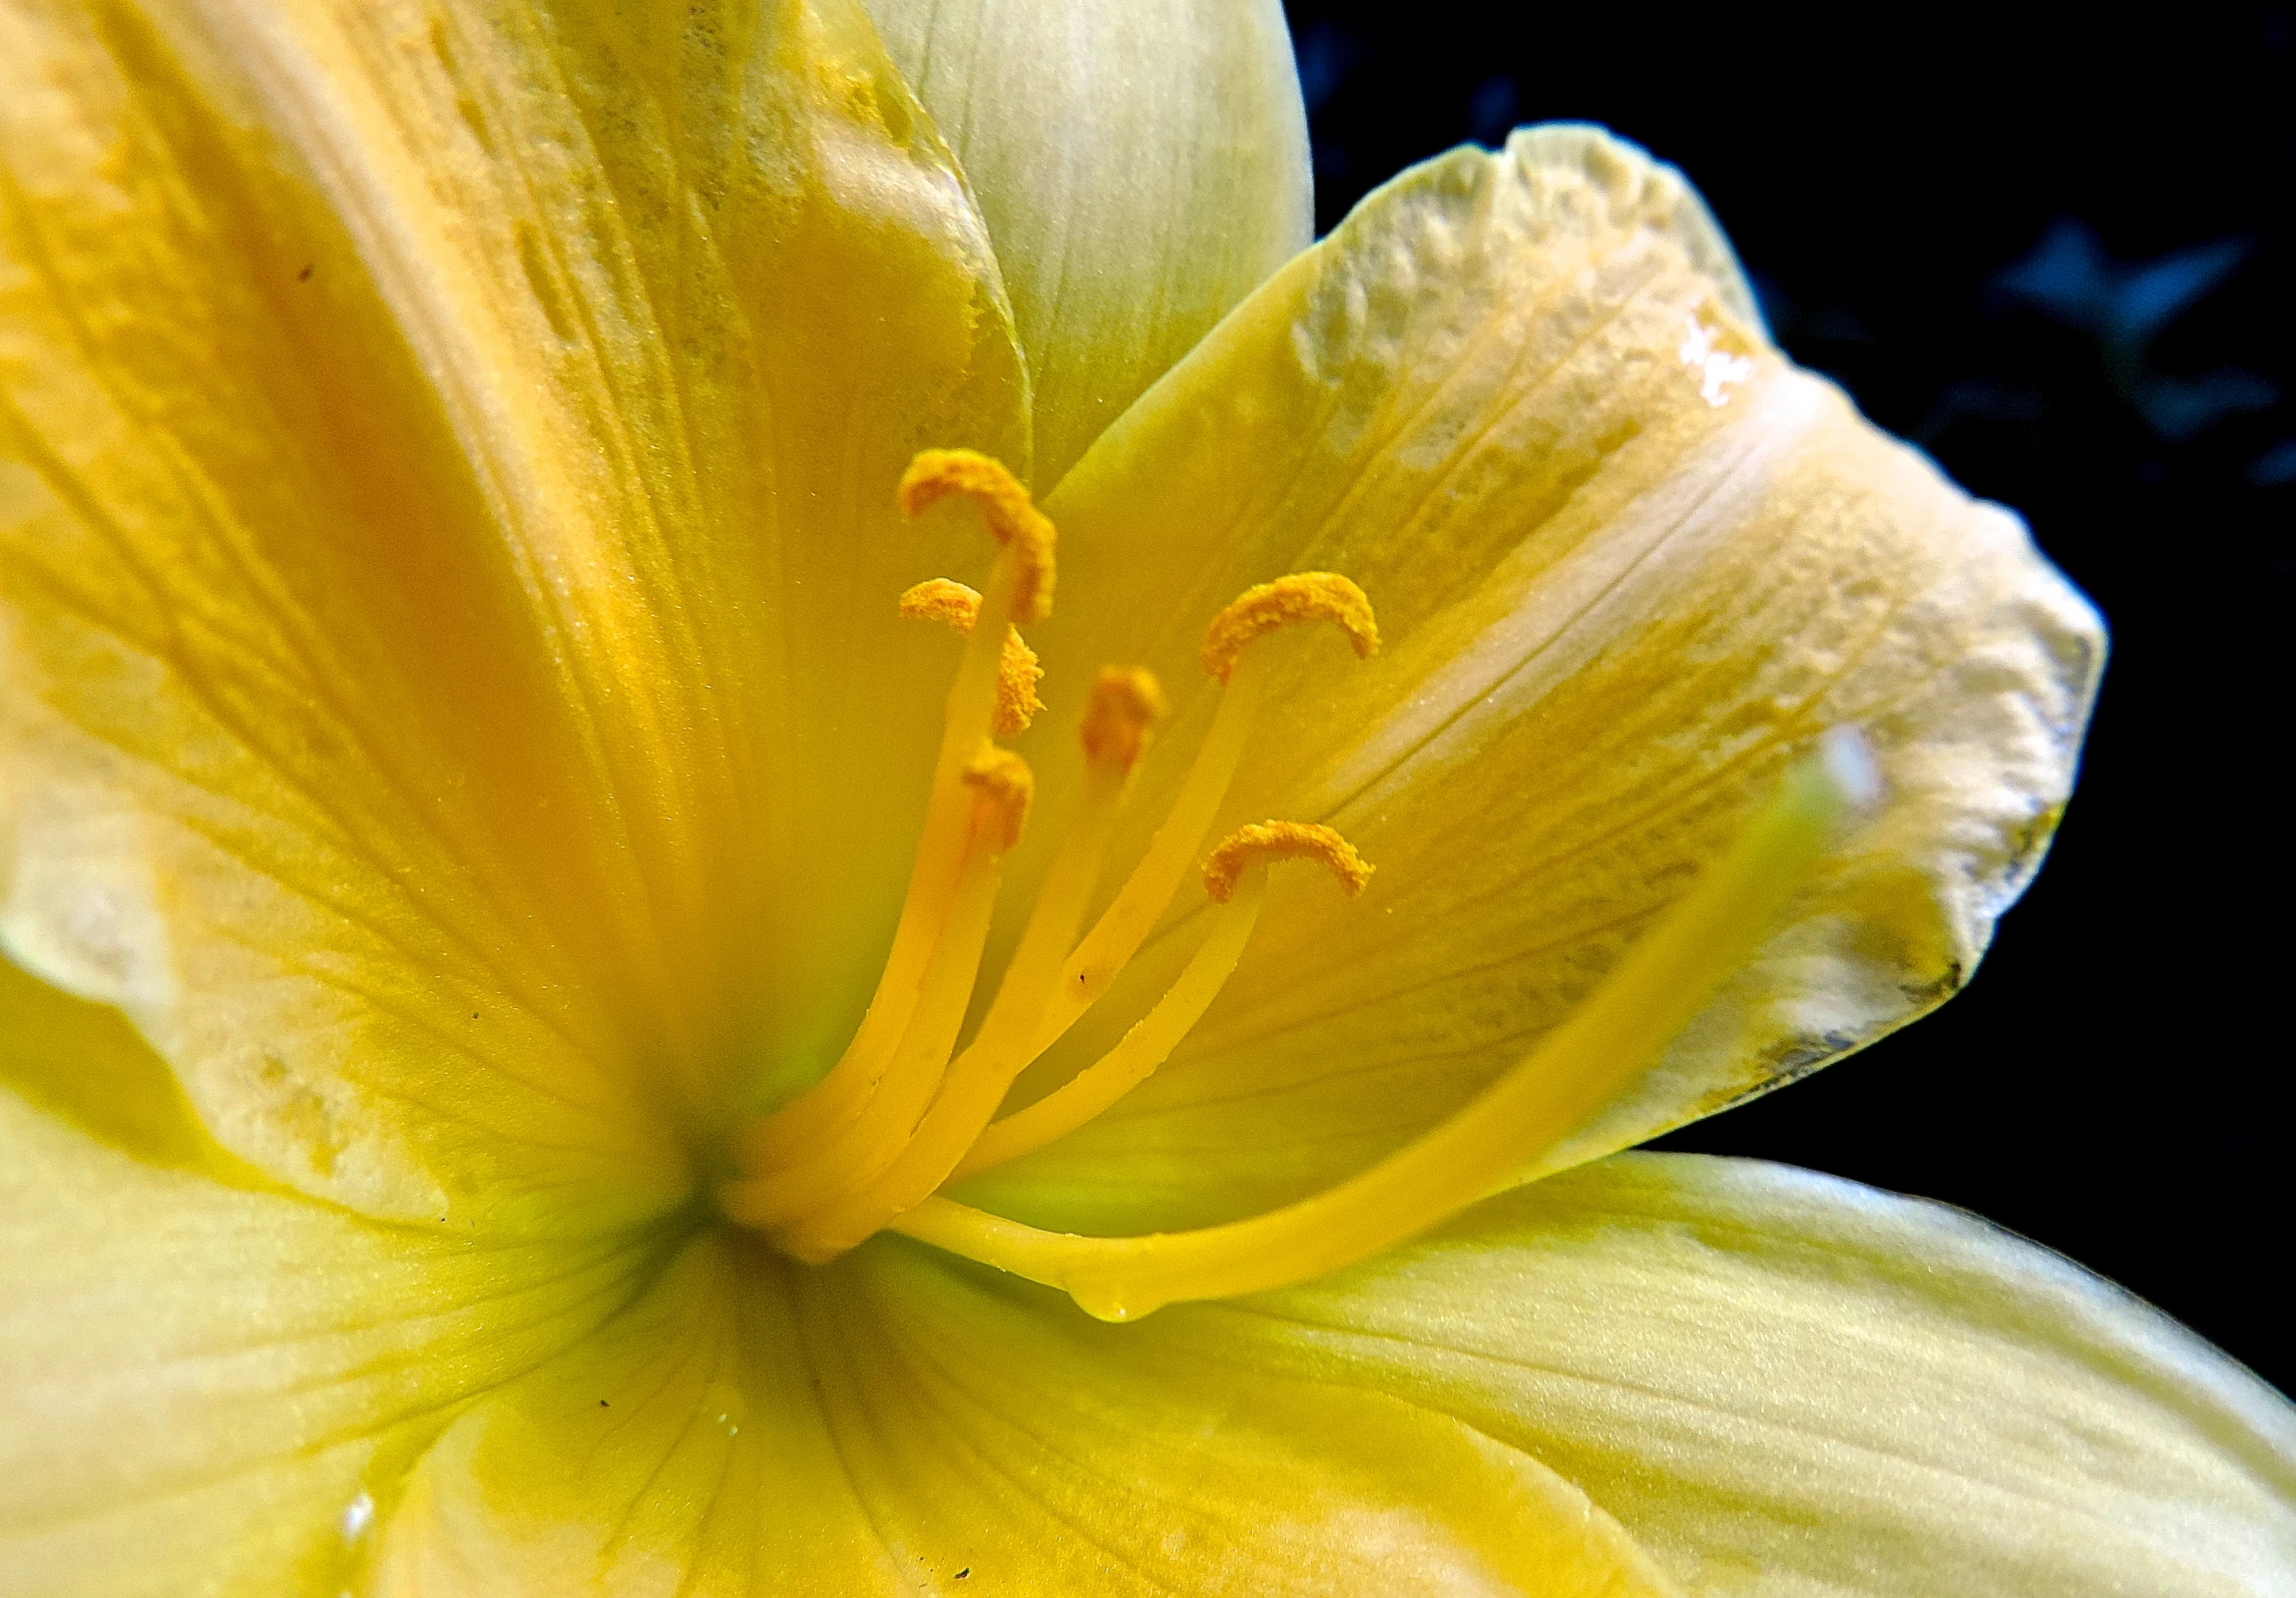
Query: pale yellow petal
[1626, 562]
[1791, 1387]
[208, 1388]
[898, 1422]
[447, 560]
[1142, 163]
[84, 1065]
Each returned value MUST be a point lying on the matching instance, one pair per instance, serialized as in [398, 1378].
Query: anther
[1302, 596]
[1263, 842]
[1003, 786]
[954, 605]
[1126, 703]
[1012, 518]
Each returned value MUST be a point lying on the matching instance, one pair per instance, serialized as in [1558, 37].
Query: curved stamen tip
[1300, 596]
[1003, 786]
[1012, 516]
[1265, 841]
[1126, 700]
[938, 599]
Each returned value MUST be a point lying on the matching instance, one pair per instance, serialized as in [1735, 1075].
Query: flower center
[905, 1111]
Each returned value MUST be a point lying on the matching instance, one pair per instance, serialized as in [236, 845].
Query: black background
[2055, 252]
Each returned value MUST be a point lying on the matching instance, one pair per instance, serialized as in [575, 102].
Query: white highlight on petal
[1717, 369]
[1850, 763]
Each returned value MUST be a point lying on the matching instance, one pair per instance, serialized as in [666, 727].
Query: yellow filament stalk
[1147, 1045]
[1654, 991]
[882, 1120]
[1117, 936]
[1002, 788]
[1226, 656]
[1025, 560]
[1114, 733]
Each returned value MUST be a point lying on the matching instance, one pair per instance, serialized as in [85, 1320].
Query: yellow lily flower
[544, 1048]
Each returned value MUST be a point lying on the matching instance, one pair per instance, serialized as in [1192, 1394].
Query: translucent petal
[1787, 1386]
[1141, 164]
[897, 1422]
[1625, 562]
[212, 1388]
[446, 544]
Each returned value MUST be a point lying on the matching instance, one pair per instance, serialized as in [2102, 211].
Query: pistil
[1663, 981]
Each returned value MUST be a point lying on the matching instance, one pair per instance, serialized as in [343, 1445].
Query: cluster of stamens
[905, 1110]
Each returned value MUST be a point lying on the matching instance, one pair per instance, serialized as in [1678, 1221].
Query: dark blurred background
[2056, 252]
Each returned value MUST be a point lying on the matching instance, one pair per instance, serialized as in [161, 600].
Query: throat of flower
[903, 1111]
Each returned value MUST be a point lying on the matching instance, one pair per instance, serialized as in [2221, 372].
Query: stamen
[1117, 936]
[786, 1135]
[1136, 1057]
[1244, 855]
[1263, 842]
[1002, 788]
[1302, 596]
[1114, 731]
[1004, 504]
[1017, 674]
[1126, 703]
[1656, 990]
[891, 1103]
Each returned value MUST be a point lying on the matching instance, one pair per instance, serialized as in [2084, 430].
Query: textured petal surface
[1791, 1387]
[451, 683]
[200, 1381]
[1142, 165]
[1627, 563]
[899, 1423]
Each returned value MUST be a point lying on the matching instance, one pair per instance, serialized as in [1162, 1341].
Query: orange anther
[1263, 843]
[938, 599]
[1300, 596]
[1003, 786]
[1126, 700]
[1012, 516]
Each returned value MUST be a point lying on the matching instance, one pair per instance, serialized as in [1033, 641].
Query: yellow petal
[897, 1422]
[1142, 165]
[207, 1388]
[1625, 563]
[1787, 1384]
[84, 1065]
[446, 528]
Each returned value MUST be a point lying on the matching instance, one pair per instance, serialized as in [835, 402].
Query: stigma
[913, 1103]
